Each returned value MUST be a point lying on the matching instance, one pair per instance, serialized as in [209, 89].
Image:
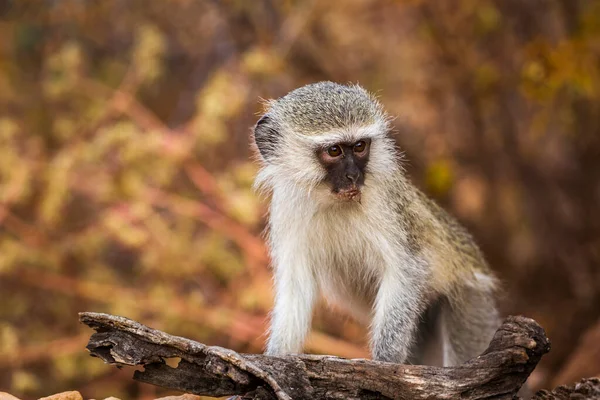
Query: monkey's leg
[295, 293]
[468, 324]
[428, 347]
[397, 309]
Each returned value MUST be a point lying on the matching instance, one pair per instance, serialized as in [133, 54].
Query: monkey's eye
[334, 151]
[360, 146]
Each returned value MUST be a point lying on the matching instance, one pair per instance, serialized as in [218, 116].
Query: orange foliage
[126, 170]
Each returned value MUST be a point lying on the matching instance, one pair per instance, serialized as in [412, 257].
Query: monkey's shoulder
[429, 225]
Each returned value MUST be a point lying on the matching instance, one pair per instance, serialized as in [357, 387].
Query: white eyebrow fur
[345, 135]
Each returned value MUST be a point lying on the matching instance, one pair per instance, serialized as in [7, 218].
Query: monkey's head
[326, 138]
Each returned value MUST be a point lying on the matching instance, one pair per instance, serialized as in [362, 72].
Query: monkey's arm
[397, 310]
[295, 294]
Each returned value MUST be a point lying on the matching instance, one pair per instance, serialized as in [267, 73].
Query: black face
[345, 164]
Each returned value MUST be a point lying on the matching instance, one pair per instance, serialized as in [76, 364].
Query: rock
[182, 397]
[73, 395]
[6, 396]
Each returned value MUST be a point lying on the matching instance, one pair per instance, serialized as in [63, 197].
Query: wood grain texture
[585, 389]
[498, 373]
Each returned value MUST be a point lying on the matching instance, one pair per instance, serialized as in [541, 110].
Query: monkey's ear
[266, 137]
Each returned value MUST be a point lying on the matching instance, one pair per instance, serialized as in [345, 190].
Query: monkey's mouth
[349, 194]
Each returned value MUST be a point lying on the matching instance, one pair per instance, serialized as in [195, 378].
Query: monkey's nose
[353, 176]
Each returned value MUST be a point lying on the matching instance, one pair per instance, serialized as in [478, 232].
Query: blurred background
[126, 171]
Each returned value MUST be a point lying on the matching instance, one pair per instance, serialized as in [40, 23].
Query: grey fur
[396, 260]
[323, 106]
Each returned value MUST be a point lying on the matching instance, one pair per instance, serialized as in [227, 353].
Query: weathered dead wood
[585, 389]
[498, 373]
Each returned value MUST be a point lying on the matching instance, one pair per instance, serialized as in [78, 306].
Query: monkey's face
[332, 167]
[327, 143]
[345, 165]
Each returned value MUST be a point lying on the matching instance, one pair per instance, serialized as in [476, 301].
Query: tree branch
[498, 373]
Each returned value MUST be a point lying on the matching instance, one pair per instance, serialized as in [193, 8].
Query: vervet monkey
[346, 222]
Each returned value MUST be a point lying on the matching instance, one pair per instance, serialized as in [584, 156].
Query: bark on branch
[498, 373]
